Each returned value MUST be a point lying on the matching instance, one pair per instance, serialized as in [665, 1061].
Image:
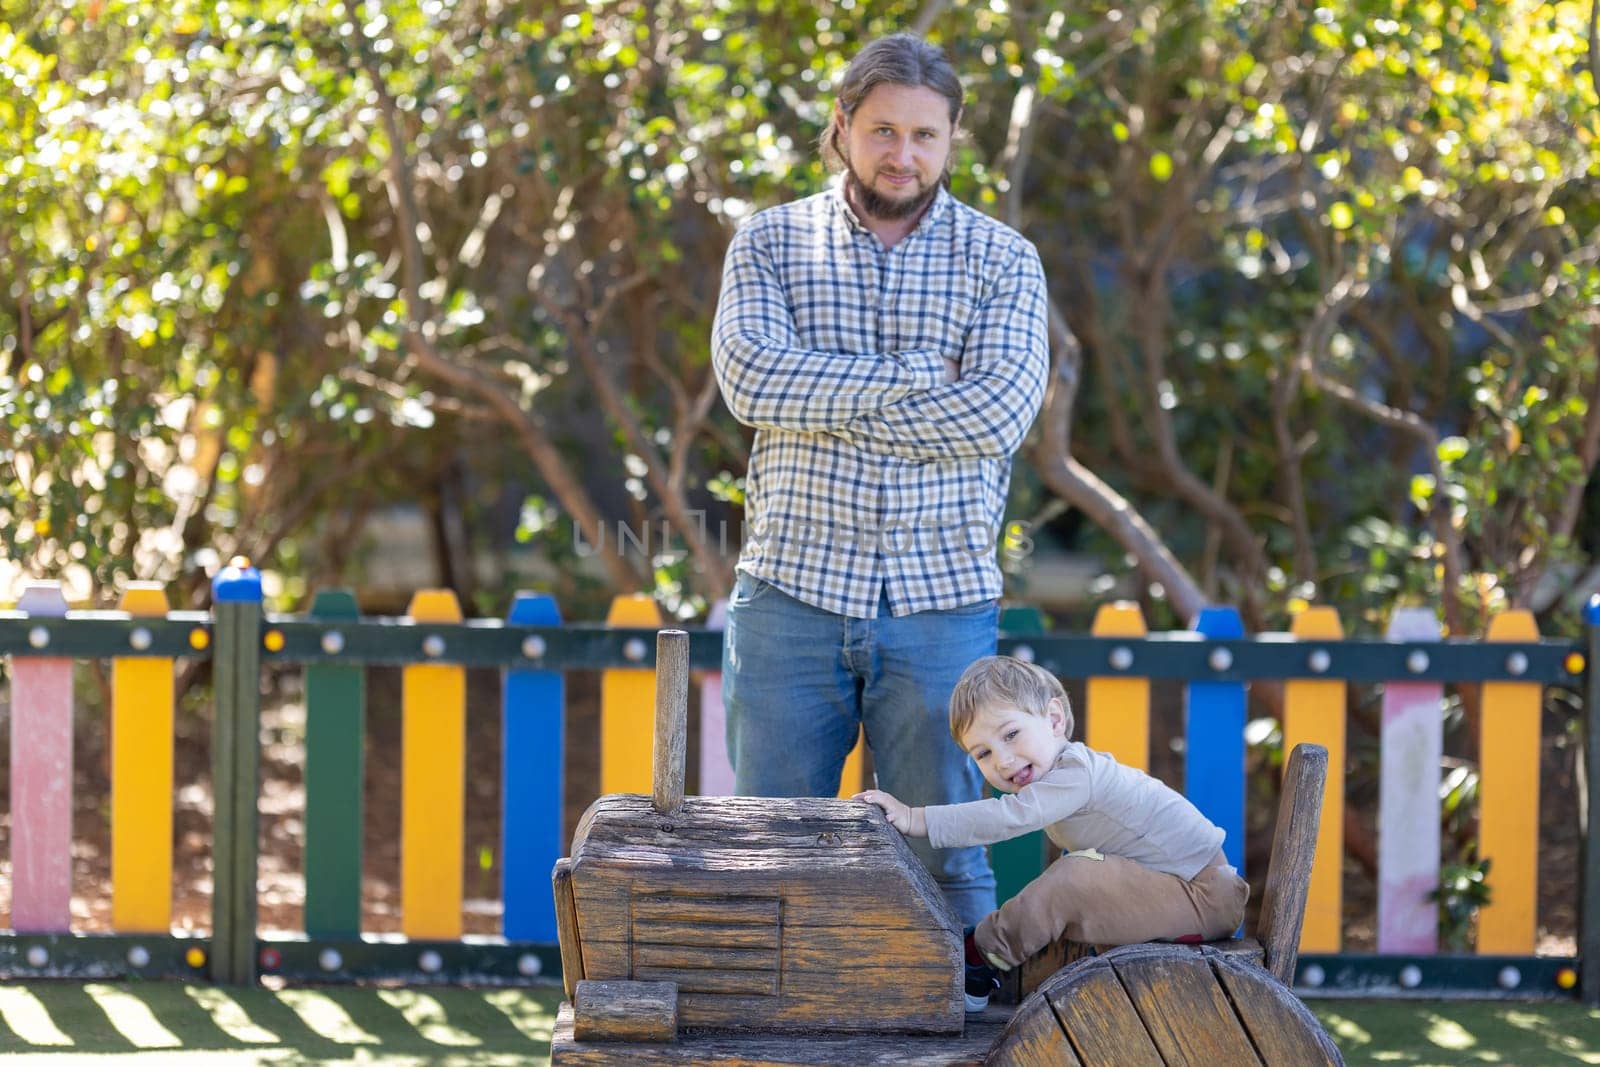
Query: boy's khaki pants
[1108, 900]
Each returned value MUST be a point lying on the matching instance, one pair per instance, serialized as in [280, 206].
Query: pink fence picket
[41, 777]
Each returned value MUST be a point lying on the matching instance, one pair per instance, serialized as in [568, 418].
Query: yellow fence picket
[628, 706]
[141, 779]
[433, 766]
[1119, 708]
[1508, 800]
[1314, 711]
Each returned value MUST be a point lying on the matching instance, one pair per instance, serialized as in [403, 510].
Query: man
[888, 344]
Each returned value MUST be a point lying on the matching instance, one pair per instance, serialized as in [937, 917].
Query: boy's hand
[908, 820]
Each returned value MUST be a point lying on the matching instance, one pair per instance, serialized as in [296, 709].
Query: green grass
[159, 1022]
[1447, 1033]
[143, 1024]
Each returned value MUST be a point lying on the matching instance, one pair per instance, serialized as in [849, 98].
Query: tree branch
[1411, 424]
[585, 346]
[1080, 487]
[420, 331]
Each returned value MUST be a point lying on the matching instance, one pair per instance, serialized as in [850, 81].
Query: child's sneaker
[981, 979]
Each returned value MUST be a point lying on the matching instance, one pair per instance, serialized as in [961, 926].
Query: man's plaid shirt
[869, 471]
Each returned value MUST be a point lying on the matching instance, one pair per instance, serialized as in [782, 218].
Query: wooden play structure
[742, 931]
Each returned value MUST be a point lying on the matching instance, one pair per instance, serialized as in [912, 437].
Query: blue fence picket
[1213, 770]
[533, 745]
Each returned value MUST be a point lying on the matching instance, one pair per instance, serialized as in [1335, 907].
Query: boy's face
[1012, 747]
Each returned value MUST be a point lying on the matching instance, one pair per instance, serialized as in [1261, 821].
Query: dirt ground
[282, 806]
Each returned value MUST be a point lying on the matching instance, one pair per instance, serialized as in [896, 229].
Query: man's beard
[887, 208]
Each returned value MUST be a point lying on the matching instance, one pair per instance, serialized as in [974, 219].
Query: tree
[364, 248]
[1293, 240]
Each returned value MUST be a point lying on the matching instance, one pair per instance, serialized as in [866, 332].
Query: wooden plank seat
[1161, 1005]
[1275, 945]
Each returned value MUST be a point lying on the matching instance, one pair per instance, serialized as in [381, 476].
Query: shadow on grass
[173, 1022]
[1454, 1032]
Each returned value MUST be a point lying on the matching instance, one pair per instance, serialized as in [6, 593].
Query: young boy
[1143, 864]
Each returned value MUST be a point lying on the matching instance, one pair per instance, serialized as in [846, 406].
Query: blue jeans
[799, 682]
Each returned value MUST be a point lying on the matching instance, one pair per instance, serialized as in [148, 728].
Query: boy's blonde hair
[996, 680]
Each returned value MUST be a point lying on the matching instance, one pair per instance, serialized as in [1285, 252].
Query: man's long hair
[898, 59]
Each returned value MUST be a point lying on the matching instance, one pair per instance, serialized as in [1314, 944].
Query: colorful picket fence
[1117, 662]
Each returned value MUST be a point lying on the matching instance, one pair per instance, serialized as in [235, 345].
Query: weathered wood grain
[842, 987]
[778, 814]
[835, 924]
[672, 720]
[819, 949]
[871, 897]
[1243, 949]
[738, 822]
[1282, 1028]
[1294, 848]
[720, 957]
[709, 980]
[1099, 1020]
[686, 931]
[567, 926]
[1018, 982]
[827, 977]
[703, 913]
[1183, 1009]
[625, 1011]
[1033, 1039]
[1173, 1004]
[704, 1049]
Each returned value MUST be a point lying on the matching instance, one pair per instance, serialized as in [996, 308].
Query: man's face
[896, 147]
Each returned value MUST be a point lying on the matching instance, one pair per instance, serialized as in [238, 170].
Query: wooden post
[1294, 847]
[567, 926]
[672, 719]
[235, 762]
[1589, 918]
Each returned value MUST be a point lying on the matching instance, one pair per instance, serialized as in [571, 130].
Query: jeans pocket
[747, 589]
[975, 611]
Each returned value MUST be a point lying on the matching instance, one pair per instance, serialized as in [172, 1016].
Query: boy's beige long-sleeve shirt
[1089, 800]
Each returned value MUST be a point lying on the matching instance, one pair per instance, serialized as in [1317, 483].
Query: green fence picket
[335, 773]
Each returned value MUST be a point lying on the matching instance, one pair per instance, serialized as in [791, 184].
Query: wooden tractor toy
[743, 931]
